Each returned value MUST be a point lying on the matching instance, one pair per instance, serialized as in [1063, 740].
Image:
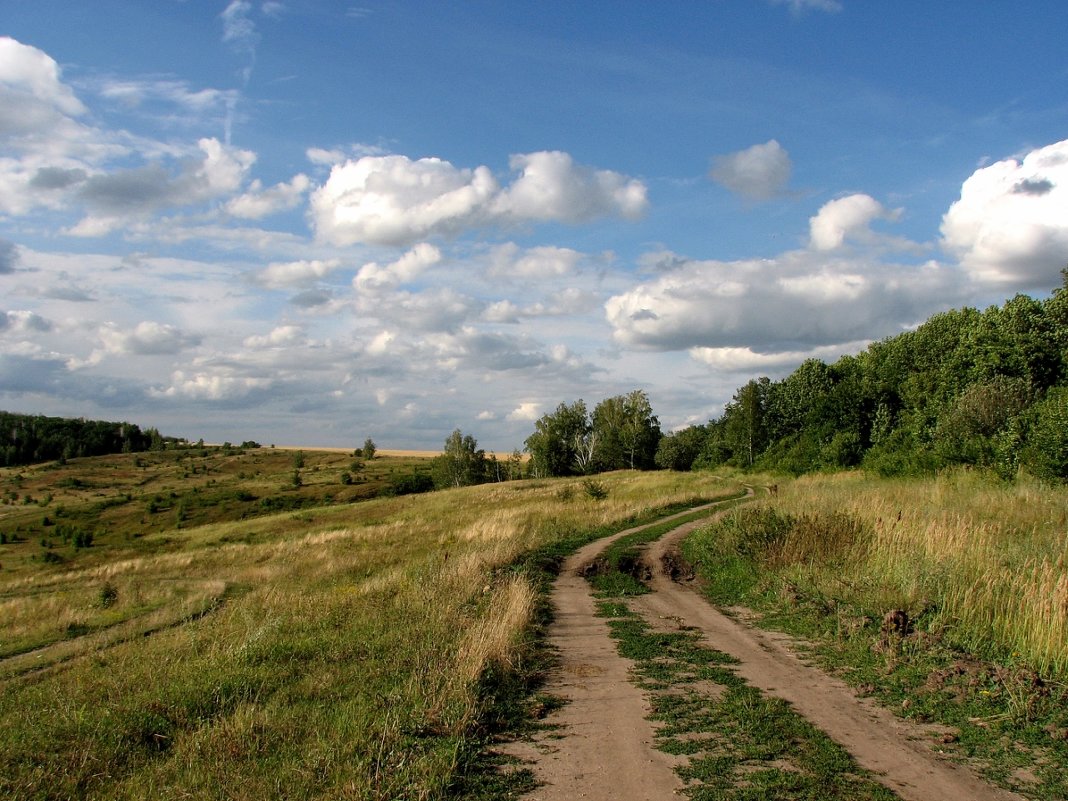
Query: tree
[680, 449]
[462, 463]
[744, 418]
[552, 446]
[626, 433]
[369, 449]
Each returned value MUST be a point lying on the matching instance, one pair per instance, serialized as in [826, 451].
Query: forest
[982, 388]
[29, 439]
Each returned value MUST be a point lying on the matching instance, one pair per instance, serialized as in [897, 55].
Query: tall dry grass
[992, 557]
[340, 657]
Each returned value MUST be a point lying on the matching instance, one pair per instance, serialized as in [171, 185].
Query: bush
[594, 489]
[410, 484]
[109, 594]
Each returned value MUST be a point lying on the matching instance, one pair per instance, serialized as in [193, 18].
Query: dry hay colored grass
[993, 557]
[326, 653]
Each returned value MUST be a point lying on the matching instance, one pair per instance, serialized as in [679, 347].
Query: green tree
[1046, 453]
[552, 446]
[680, 449]
[625, 432]
[745, 425]
[369, 449]
[462, 462]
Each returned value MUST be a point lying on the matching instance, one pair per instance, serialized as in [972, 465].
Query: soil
[600, 746]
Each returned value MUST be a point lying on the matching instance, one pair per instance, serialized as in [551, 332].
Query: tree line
[968, 387]
[29, 439]
[987, 389]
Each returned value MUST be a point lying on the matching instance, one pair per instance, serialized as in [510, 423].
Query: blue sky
[313, 222]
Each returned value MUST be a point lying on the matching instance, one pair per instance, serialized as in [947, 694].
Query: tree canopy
[968, 387]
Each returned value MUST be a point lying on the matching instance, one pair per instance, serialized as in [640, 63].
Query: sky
[307, 222]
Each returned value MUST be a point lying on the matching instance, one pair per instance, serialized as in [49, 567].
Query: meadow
[945, 597]
[341, 648]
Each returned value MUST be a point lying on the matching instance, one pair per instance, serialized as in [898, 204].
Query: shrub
[594, 489]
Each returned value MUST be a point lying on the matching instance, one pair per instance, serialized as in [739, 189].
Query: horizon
[230, 220]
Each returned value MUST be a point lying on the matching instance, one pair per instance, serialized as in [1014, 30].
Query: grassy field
[947, 598]
[229, 650]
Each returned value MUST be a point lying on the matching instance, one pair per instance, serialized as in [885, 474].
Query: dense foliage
[621, 432]
[28, 439]
[985, 388]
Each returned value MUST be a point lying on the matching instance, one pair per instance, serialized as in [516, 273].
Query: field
[946, 598]
[276, 623]
[204, 644]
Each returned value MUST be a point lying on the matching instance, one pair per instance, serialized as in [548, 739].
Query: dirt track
[602, 745]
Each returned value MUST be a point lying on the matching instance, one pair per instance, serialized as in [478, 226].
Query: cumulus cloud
[280, 275]
[1009, 228]
[392, 200]
[760, 172]
[797, 302]
[748, 360]
[31, 91]
[373, 277]
[525, 412]
[113, 197]
[211, 385]
[537, 263]
[280, 337]
[552, 187]
[847, 218]
[22, 322]
[258, 202]
[147, 338]
[432, 310]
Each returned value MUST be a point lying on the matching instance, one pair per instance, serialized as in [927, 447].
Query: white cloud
[23, 322]
[525, 412]
[258, 202]
[392, 200]
[238, 29]
[552, 187]
[747, 360]
[846, 218]
[760, 172]
[1010, 226]
[30, 86]
[798, 301]
[538, 263]
[373, 277]
[280, 337]
[280, 275]
[147, 338]
[217, 385]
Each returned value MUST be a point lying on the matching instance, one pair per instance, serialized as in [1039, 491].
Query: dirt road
[602, 745]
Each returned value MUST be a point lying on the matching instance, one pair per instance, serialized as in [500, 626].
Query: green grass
[343, 651]
[831, 556]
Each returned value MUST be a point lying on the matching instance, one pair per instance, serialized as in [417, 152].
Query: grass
[351, 650]
[739, 743]
[976, 573]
